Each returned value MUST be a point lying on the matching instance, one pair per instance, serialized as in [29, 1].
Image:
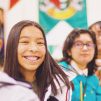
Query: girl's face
[97, 30]
[31, 49]
[1, 44]
[1, 17]
[83, 50]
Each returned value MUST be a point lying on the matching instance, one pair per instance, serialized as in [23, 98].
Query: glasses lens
[90, 45]
[80, 45]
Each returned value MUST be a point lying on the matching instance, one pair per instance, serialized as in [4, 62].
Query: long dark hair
[2, 46]
[45, 74]
[68, 44]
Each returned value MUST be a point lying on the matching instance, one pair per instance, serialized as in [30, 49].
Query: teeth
[32, 58]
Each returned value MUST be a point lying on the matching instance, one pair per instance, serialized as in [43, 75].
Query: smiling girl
[28, 60]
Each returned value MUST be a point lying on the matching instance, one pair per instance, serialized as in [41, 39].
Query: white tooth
[32, 58]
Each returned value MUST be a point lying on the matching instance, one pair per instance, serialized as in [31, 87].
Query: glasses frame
[80, 45]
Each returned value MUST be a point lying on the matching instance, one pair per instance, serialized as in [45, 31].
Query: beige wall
[93, 11]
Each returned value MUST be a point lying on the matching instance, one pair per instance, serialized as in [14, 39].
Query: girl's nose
[33, 47]
[85, 47]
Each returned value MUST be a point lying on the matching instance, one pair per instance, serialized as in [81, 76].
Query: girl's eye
[78, 44]
[24, 42]
[40, 43]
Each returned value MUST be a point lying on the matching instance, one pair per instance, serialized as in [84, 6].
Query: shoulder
[64, 65]
[68, 70]
[14, 90]
[7, 80]
[4, 78]
[17, 93]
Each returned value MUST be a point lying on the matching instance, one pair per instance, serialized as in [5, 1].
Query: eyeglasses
[80, 45]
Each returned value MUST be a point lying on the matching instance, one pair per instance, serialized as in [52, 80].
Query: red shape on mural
[56, 2]
[12, 3]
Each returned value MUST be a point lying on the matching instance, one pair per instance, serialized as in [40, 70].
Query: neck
[82, 67]
[29, 76]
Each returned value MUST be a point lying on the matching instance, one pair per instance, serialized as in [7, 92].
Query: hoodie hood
[5, 79]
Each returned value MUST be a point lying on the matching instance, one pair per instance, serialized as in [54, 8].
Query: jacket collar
[5, 79]
[80, 72]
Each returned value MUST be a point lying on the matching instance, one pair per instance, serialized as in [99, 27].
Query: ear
[69, 52]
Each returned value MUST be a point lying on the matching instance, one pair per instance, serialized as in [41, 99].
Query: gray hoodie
[12, 90]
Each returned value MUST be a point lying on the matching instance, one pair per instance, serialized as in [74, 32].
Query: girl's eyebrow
[39, 38]
[23, 37]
